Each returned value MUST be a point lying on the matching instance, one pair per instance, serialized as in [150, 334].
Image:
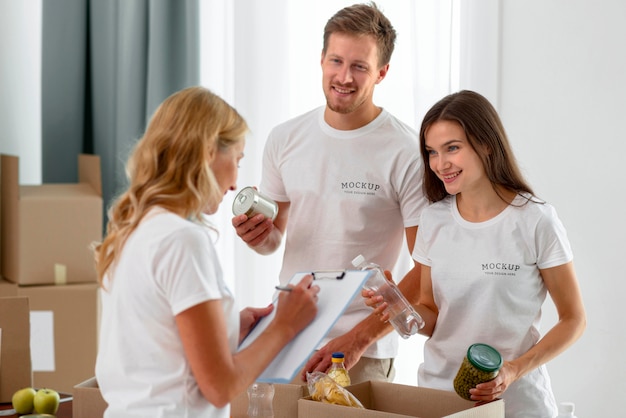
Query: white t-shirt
[351, 192]
[488, 288]
[168, 265]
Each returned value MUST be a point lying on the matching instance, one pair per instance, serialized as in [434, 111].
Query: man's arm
[353, 344]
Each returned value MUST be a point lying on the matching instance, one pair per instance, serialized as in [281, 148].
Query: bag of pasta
[323, 388]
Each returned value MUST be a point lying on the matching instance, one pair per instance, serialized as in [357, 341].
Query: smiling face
[350, 72]
[452, 158]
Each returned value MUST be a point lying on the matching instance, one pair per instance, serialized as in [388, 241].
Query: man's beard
[344, 110]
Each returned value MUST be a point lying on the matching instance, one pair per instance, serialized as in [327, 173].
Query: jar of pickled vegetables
[481, 364]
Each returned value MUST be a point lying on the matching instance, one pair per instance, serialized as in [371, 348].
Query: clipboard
[333, 298]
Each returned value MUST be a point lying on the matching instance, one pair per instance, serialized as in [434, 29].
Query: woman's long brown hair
[485, 133]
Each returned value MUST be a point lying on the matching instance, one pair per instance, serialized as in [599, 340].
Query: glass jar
[260, 400]
[481, 364]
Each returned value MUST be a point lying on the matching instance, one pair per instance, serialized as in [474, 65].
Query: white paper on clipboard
[333, 299]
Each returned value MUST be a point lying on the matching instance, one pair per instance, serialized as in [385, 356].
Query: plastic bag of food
[323, 388]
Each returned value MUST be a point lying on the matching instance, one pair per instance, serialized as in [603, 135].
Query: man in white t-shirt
[347, 180]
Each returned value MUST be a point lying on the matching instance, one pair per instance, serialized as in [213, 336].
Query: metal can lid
[244, 200]
[484, 357]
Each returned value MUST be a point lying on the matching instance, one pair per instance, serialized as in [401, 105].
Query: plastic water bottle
[405, 320]
[566, 410]
[260, 399]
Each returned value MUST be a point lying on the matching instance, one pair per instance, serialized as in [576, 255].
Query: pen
[289, 289]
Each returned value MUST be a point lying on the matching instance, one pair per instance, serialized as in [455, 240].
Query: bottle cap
[484, 357]
[338, 354]
[566, 408]
[358, 260]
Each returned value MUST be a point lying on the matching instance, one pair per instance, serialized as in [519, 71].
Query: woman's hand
[298, 307]
[376, 301]
[249, 317]
[493, 389]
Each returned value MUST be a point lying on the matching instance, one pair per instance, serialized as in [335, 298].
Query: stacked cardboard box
[46, 230]
[64, 320]
[15, 366]
[45, 237]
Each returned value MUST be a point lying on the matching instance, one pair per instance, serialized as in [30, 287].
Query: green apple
[46, 401]
[22, 400]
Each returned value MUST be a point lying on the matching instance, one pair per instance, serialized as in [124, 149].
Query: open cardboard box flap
[88, 401]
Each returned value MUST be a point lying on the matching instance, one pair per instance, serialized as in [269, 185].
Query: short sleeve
[420, 250]
[187, 270]
[553, 246]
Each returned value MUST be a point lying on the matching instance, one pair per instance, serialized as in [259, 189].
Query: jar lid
[566, 408]
[484, 357]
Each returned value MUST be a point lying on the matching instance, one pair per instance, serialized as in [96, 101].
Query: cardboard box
[0, 218]
[390, 400]
[7, 288]
[16, 372]
[88, 401]
[64, 320]
[46, 230]
[285, 401]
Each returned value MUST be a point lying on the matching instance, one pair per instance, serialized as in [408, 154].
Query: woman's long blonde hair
[170, 166]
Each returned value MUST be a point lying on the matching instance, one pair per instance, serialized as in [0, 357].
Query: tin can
[251, 202]
[481, 364]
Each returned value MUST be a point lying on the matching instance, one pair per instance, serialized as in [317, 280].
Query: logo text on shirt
[500, 269]
[359, 187]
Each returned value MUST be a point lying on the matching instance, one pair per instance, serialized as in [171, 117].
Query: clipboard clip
[319, 275]
[326, 274]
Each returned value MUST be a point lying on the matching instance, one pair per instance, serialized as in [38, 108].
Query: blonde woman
[170, 326]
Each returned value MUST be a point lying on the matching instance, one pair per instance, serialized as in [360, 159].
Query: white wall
[20, 85]
[562, 98]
